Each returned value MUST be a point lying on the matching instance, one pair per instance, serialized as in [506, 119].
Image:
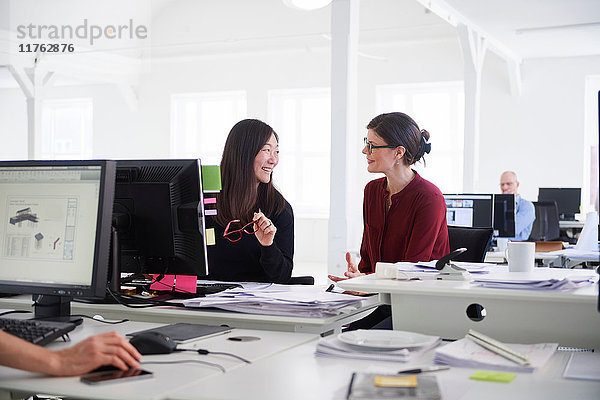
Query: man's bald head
[509, 183]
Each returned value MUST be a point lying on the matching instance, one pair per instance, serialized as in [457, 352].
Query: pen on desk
[426, 369]
[330, 288]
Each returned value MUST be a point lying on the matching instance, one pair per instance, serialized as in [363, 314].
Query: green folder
[211, 178]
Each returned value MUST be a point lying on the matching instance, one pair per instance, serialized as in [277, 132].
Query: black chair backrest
[546, 226]
[476, 240]
[301, 280]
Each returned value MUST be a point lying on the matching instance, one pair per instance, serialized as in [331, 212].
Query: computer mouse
[153, 343]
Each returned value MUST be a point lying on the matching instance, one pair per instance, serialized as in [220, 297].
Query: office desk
[571, 224]
[516, 316]
[499, 257]
[167, 377]
[167, 315]
[298, 374]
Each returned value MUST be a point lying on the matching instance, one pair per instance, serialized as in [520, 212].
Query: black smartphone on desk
[96, 378]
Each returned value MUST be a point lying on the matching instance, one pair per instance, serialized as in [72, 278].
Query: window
[439, 109]
[67, 127]
[302, 119]
[200, 123]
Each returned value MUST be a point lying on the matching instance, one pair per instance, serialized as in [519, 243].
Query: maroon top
[413, 229]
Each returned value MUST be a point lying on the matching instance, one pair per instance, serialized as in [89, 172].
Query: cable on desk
[102, 320]
[205, 352]
[186, 361]
[15, 312]
[119, 297]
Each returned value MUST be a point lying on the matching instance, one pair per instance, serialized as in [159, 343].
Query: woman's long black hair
[239, 197]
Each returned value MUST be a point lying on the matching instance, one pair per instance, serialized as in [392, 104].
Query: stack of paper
[334, 347]
[516, 280]
[299, 301]
[468, 354]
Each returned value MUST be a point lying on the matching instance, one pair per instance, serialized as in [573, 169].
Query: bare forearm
[17, 353]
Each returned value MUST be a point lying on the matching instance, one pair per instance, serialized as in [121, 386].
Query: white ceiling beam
[455, 17]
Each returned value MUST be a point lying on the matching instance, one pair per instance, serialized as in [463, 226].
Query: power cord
[205, 352]
[186, 361]
[15, 312]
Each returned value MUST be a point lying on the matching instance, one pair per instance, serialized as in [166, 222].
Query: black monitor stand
[54, 308]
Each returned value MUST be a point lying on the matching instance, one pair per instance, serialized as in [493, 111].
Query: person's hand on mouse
[105, 349]
[352, 271]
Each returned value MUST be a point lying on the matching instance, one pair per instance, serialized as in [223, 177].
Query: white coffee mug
[520, 256]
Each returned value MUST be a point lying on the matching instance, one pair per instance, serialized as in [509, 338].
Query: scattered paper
[468, 354]
[285, 300]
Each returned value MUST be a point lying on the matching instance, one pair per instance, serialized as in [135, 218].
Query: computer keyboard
[39, 332]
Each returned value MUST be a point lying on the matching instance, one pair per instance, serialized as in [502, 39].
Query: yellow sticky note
[396, 381]
[493, 376]
[210, 237]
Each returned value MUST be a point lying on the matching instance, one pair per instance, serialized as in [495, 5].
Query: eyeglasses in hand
[370, 146]
[234, 229]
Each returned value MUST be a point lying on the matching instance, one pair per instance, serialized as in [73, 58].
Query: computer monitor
[55, 231]
[158, 217]
[470, 210]
[568, 200]
[504, 215]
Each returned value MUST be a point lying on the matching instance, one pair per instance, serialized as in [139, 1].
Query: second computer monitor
[568, 200]
[470, 210]
[158, 213]
[504, 215]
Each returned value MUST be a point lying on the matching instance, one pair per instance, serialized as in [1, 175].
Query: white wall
[538, 134]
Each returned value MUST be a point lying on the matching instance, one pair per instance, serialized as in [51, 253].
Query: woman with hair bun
[404, 214]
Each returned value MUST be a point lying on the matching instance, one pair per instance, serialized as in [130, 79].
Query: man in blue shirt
[524, 210]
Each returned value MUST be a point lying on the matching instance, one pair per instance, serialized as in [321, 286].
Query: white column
[473, 48]
[344, 53]
[33, 83]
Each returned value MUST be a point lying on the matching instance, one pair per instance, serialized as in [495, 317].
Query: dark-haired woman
[404, 214]
[254, 225]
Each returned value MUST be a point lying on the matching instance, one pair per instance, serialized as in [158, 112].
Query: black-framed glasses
[234, 229]
[370, 146]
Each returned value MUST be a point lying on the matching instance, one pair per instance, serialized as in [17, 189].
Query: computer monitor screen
[470, 210]
[568, 200]
[504, 215]
[55, 228]
[158, 213]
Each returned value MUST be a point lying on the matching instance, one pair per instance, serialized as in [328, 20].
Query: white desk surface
[167, 315]
[167, 377]
[298, 374]
[439, 308]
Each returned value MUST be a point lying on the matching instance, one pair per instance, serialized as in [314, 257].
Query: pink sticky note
[186, 283]
[166, 283]
[210, 200]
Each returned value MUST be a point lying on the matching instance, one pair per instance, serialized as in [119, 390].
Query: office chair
[476, 240]
[301, 280]
[546, 225]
